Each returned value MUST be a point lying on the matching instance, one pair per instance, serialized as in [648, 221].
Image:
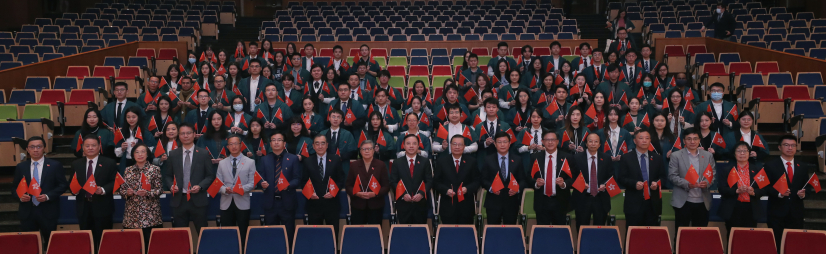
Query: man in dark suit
[622, 43]
[632, 71]
[595, 74]
[191, 168]
[640, 171]
[596, 169]
[415, 174]
[94, 210]
[344, 102]
[525, 60]
[279, 205]
[113, 114]
[454, 176]
[723, 23]
[551, 205]
[785, 210]
[503, 204]
[324, 170]
[253, 85]
[40, 213]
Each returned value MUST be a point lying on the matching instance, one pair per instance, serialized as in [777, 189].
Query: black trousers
[326, 216]
[186, 212]
[588, 206]
[550, 217]
[691, 214]
[366, 216]
[503, 215]
[412, 212]
[281, 216]
[741, 217]
[236, 217]
[87, 221]
[37, 222]
[645, 217]
[778, 224]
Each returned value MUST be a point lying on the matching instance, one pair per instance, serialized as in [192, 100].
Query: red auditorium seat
[52, 96]
[355, 52]
[676, 58]
[396, 71]
[796, 92]
[167, 54]
[541, 51]
[127, 74]
[70, 242]
[674, 50]
[796, 241]
[565, 51]
[283, 51]
[751, 241]
[516, 51]
[77, 105]
[326, 52]
[104, 71]
[418, 70]
[170, 241]
[766, 93]
[484, 68]
[689, 240]
[715, 69]
[739, 68]
[442, 70]
[771, 106]
[146, 52]
[480, 51]
[766, 67]
[378, 52]
[21, 242]
[696, 49]
[78, 72]
[121, 241]
[644, 240]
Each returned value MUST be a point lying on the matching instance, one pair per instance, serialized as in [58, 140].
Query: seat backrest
[79, 72]
[170, 240]
[70, 242]
[796, 241]
[21, 97]
[314, 239]
[365, 239]
[503, 239]
[766, 67]
[796, 92]
[146, 52]
[715, 69]
[104, 71]
[116, 241]
[167, 53]
[598, 240]
[94, 83]
[219, 240]
[674, 50]
[266, 239]
[116, 61]
[456, 239]
[52, 96]
[780, 79]
[82, 95]
[129, 72]
[688, 237]
[409, 239]
[12, 130]
[764, 92]
[641, 240]
[751, 240]
[810, 79]
[37, 83]
[22, 242]
[551, 240]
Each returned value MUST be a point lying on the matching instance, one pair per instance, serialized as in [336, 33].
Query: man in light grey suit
[190, 168]
[691, 200]
[234, 170]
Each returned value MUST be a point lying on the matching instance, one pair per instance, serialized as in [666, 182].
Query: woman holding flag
[501, 74]
[376, 131]
[529, 140]
[472, 95]
[367, 184]
[127, 137]
[507, 93]
[650, 95]
[421, 91]
[520, 114]
[163, 116]
[580, 92]
[615, 140]
[412, 122]
[204, 76]
[636, 118]
[679, 112]
[312, 121]
[222, 65]
[573, 133]
[92, 126]
[141, 187]
[600, 109]
[740, 197]
[168, 142]
[759, 151]
[425, 116]
[534, 74]
[451, 97]
[237, 121]
[214, 140]
[708, 136]
[298, 140]
[257, 144]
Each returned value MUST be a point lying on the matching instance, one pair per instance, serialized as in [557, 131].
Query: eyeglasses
[742, 151]
[35, 147]
[319, 143]
[233, 144]
[788, 145]
[278, 140]
[367, 149]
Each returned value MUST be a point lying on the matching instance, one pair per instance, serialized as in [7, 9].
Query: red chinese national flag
[541, 99]
[624, 98]
[229, 121]
[163, 82]
[497, 184]
[152, 125]
[357, 185]
[22, 188]
[517, 120]
[579, 183]
[612, 187]
[79, 143]
[238, 188]
[644, 120]
[566, 168]
[260, 115]
[349, 117]
[756, 142]
[782, 184]
[442, 114]
[145, 182]
[575, 89]
[592, 113]
[708, 174]
[308, 190]
[482, 131]
[442, 132]
[627, 120]
[74, 185]
[513, 185]
[761, 178]
[362, 138]
[214, 188]
[118, 135]
[526, 139]
[381, 140]
[332, 188]
[691, 176]
[646, 192]
[470, 94]
[283, 183]
[665, 103]
[400, 189]
[815, 183]
[659, 94]
[90, 185]
[477, 120]
[374, 185]
[118, 182]
[733, 177]
[256, 178]
[147, 98]
[552, 107]
[565, 137]
[640, 94]
[677, 144]
[606, 147]
[535, 168]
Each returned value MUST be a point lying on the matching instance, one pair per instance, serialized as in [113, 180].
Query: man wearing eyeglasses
[198, 117]
[40, 212]
[233, 171]
[113, 113]
[153, 90]
[190, 167]
[553, 188]
[324, 171]
[691, 199]
[453, 177]
[502, 202]
[283, 170]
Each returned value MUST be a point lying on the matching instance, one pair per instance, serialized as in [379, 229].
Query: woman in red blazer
[367, 184]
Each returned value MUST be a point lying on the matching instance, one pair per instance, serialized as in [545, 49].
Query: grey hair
[366, 142]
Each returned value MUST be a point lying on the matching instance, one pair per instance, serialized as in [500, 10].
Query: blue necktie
[36, 176]
[644, 167]
[344, 107]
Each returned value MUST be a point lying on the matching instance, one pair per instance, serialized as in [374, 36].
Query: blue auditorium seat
[751, 79]
[728, 58]
[93, 83]
[115, 61]
[800, 52]
[266, 240]
[314, 240]
[28, 58]
[37, 83]
[456, 239]
[472, 37]
[508, 37]
[808, 108]
[503, 239]
[599, 240]
[10, 130]
[551, 240]
[402, 52]
[51, 56]
[438, 52]
[65, 83]
[362, 239]
[9, 65]
[457, 37]
[779, 79]
[219, 240]
[761, 44]
[409, 239]
[22, 97]
[702, 58]
[818, 53]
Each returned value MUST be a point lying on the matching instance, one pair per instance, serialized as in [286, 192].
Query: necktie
[614, 139]
[120, 107]
[321, 167]
[344, 107]
[36, 176]
[335, 140]
[89, 175]
[203, 114]
[277, 168]
[536, 136]
[503, 169]
[646, 65]
[631, 74]
[549, 171]
[644, 167]
[457, 166]
[411, 168]
[491, 130]
[790, 170]
[187, 169]
[234, 166]
[316, 85]
[597, 71]
[592, 180]
[353, 95]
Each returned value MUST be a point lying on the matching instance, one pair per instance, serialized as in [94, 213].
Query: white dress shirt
[39, 171]
[253, 89]
[308, 63]
[591, 162]
[747, 137]
[452, 130]
[718, 108]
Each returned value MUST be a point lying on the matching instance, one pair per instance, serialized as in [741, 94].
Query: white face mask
[719, 10]
[238, 107]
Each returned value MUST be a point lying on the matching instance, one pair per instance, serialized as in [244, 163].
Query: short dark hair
[645, 46]
[717, 84]
[364, 45]
[621, 29]
[148, 152]
[36, 138]
[584, 44]
[287, 76]
[309, 45]
[338, 47]
[184, 124]
[321, 135]
[276, 133]
[630, 51]
[546, 132]
[252, 43]
[385, 73]
[336, 111]
[555, 43]
[526, 48]
[92, 137]
[117, 84]
[202, 90]
[501, 134]
[255, 60]
[787, 136]
[501, 44]
[457, 136]
[557, 87]
[612, 67]
[738, 144]
[491, 100]
[410, 136]
[185, 77]
[450, 107]
[691, 131]
[640, 131]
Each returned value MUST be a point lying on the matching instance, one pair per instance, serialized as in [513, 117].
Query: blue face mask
[646, 83]
[716, 96]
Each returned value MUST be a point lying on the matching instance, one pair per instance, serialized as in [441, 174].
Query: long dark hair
[211, 131]
[496, 72]
[164, 138]
[125, 130]
[288, 135]
[168, 77]
[382, 126]
[531, 69]
[518, 105]
[84, 127]
[261, 134]
[606, 128]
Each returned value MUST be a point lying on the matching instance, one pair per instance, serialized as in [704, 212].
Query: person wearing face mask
[190, 69]
[240, 120]
[682, 85]
[721, 110]
[723, 23]
[650, 103]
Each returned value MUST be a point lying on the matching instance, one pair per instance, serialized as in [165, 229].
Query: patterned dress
[142, 212]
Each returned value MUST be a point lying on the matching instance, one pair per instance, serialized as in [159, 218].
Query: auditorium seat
[409, 239]
[9, 130]
[676, 58]
[727, 58]
[170, 241]
[37, 83]
[9, 65]
[810, 79]
[551, 240]
[78, 103]
[116, 61]
[117, 241]
[503, 239]
[641, 240]
[139, 61]
[689, 237]
[812, 111]
[19, 242]
[701, 58]
[456, 239]
[737, 69]
[314, 239]
[79, 72]
[751, 240]
[28, 58]
[266, 239]
[52, 96]
[357, 239]
[766, 67]
[599, 240]
[70, 242]
[780, 79]
[796, 241]
[219, 240]
[22, 97]
[52, 56]
[164, 58]
[716, 73]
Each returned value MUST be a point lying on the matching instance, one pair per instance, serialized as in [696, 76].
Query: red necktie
[549, 179]
[790, 169]
[411, 168]
[457, 166]
[89, 175]
[593, 177]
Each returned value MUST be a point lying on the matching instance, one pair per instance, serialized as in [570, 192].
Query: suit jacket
[592, 77]
[616, 47]
[717, 125]
[678, 167]
[630, 173]
[52, 183]
[446, 178]
[244, 87]
[201, 174]
[652, 65]
[422, 174]
[631, 78]
[291, 168]
[490, 170]
[105, 172]
[332, 170]
[108, 113]
[728, 195]
[725, 24]
[793, 204]
[605, 171]
[549, 61]
[358, 112]
[563, 195]
[245, 170]
[377, 169]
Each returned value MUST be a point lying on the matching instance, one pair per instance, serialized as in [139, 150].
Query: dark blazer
[52, 183]
[445, 178]
[201, 174]
[563, 196]
[422, 173]
[105, 173]
[244, 87]
[332, 170]
[605, 170]
[615, 47]
[291, 168]
[793, 204]
[377, 169]
[726, 23]
[489, 172]
[630, 173]
[728, 195]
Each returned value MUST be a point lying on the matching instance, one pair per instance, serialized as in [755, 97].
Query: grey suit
[688, 213]
[201, 174]
[246, 171]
